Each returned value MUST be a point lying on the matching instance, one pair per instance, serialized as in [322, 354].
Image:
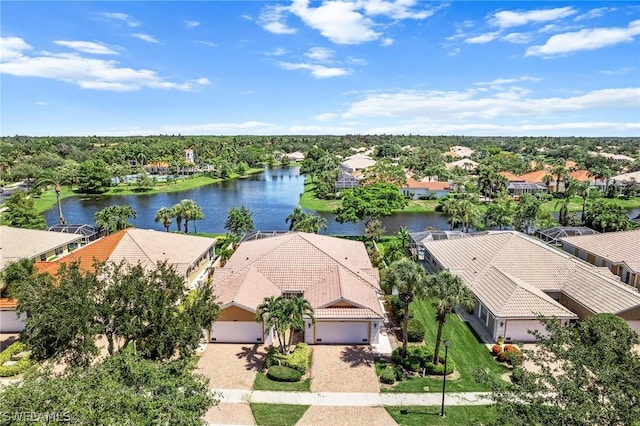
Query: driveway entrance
[342, 368]
[231, 366]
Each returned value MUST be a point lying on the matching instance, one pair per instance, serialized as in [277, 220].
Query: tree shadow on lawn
[357, 356]
[254, 357]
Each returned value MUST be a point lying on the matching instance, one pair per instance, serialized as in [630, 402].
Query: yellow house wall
[234, 313]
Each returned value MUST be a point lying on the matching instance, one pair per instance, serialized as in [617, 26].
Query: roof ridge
[127, 233]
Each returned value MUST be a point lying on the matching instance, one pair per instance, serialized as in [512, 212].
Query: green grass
[454, 415]
[309, 201]
[575, 205]
[277, 414]
[468, 353]
[262, 382]
[48, 199]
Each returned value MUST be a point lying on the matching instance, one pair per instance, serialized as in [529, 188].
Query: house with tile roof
[618, 251]
[37, 245]
[416, 189]
[335, 275]
[518, 185]
[516, 278]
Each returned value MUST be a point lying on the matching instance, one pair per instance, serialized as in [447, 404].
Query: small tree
[22, 213]
[239, 221]
[165, 217]
[284, 315]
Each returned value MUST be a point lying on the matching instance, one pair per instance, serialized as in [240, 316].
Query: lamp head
[447, 343]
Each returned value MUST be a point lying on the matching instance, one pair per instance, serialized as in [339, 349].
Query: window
[484, 314]
[290, 294]
[59, 251]
[72, 246]
[43, 257]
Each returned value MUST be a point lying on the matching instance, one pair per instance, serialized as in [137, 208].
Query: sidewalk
[239, 396]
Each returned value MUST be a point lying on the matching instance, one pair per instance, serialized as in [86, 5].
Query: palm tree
[450, 208]
[177, 211]
[311, 223]
[190, 210]
[273, 314]
[449, 292]
[105, 219]
[164, 216]
[409, 279]
[294, 218]
[403, 235]
[57, 179]
[468, 212]
[299, 309]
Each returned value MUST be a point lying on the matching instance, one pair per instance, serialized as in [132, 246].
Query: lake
[270, 196]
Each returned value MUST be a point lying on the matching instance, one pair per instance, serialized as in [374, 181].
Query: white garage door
[10, 323]
[342, 332]
[517, 330]
[237, 332]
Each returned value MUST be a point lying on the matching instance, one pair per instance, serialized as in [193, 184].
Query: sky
[476, 68]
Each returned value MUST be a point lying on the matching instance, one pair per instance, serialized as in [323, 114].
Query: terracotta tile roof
[431, 186]
[521, 259]
[582, 175]
[569, 164]
[536, 176]
[617, 247]
[511, 177]
[6, 303]
[20, 243]
[328, 270]
[345, 313]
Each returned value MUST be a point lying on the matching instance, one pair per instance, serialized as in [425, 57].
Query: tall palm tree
[448, 292]
[469, 212]
[57, 179]
[403, 235]
[164, 216]
[273, 314]
[177, 210]
[190, 210]
[299, 309]
[294, 218]
[450, 208]
[311, 223]
[409, 279]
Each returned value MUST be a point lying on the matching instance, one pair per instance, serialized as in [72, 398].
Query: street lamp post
[444, 374]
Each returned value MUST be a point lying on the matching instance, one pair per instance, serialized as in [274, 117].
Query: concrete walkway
[343, 399]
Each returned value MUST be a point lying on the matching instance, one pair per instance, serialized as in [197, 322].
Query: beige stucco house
[334, 275]
[516, 278]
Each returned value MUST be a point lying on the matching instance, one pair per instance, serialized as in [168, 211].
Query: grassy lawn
[309, 201]
[466, 350]
[262, 382]
[575, 205]
[277, 414]
[454, 415]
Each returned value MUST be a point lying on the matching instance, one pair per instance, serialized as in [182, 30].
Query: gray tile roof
[496, 265]
[19, 243]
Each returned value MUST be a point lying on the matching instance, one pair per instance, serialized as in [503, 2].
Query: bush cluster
[420, 358]
[507, 353]
[283, 374]
[10, 354]
[415, 330]
[396, 307]
[388, 375]
[496, 349]
[299, 359]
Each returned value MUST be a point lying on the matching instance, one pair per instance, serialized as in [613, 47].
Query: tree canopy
[239, 220]
[22, 213]
[365, 203]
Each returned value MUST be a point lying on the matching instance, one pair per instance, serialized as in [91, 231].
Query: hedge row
[299, 359]
[283, 374]
[22, 364]
[419, 358]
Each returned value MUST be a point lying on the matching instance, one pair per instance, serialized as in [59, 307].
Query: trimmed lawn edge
[277, 414]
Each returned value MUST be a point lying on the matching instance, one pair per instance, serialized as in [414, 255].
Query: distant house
[615, 157]
[189, 156]
[296, 156]
[356, 163]
[461, 151]
[158, 168]
[416, 189]
[334, 275]
[515, 279]
[88, 232]
[518, 185]
[19, 243]
[618, 251]
[627, 177]
[464, 164]
[346, 180]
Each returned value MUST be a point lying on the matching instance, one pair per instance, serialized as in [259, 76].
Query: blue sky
[329, 67]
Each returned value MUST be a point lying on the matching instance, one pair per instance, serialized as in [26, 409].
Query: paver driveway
[231, 366]
[346, 416]
[229, 414]
[343, 369]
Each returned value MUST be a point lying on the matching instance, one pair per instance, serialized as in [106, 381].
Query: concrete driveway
[231, 366]
[338, 368]
[346, 416]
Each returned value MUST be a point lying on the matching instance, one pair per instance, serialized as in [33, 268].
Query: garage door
[342, 332]
[10, 323]
[517, 331]
[237, 332]
[635, 325]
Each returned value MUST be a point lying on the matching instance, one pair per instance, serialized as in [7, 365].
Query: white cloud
[395, 9]
[321, 54]
[338, 20]
[586, 39]
[87, 73]
[320, 130]
[506, 18]
[272, 20]
[386, 41]
[145, 37]
[356, 61]
[620, 71]
[327, 116]
[517, 38]
[41, 103]
[594, 13]
[121, 17]
[207, 43]
[279, 51]
[499, 103]
[191, 24]
[482, 38]
[87, 47]
[503, 81]
[318, 71]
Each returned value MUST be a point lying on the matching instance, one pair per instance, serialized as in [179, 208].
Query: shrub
[415, 330]
[283, 374]
[432, 369]
[511, 348]
[417, 357]
[396, 307]
[502, 356]
[299, 359]
[517, 375]
[496, 349]
[22, 363]
[388, 375]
